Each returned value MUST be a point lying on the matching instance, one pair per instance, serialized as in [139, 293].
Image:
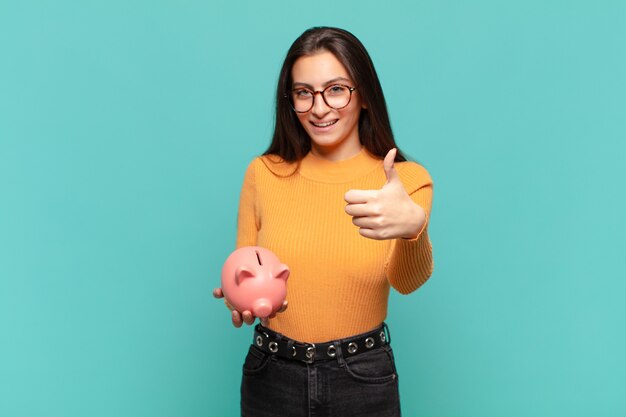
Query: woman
[339, 204]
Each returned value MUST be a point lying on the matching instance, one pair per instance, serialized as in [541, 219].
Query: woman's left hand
[388, 213]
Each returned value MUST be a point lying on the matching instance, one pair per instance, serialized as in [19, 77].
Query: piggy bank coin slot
[258, 257]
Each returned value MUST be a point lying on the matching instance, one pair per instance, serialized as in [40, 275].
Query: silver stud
[369, 342]
[293, 351]
[310, 352]
[382, 336]
[259, 341]
[352, 347]
[332, 351]
[273, 347]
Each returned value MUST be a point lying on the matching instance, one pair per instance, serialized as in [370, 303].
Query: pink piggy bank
[254, 279]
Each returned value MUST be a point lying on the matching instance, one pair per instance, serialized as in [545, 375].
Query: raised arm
[410, 262]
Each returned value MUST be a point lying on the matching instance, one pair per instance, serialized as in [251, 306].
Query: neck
[338, 152]
[341, 171]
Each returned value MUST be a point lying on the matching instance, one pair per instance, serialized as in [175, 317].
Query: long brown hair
[290, 140]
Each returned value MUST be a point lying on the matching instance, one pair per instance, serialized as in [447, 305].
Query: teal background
[125, 129]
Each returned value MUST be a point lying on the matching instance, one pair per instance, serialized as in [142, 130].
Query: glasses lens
[337, 96]
[302, 100]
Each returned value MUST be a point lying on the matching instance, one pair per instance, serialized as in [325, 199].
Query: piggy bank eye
[258, 257]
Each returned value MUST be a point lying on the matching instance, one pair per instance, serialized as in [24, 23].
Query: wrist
[418, 218]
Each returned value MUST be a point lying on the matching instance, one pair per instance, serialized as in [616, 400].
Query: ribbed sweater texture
[340, 281]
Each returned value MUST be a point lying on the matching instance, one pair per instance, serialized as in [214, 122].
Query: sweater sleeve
[247, 221]
[410, 262]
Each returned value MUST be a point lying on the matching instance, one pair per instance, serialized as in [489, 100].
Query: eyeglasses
[336, 96]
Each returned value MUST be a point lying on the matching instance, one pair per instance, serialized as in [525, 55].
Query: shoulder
[267, 167]
[413, 175]
[272, 165]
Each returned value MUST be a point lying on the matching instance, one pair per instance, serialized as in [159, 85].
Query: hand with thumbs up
[388, 213]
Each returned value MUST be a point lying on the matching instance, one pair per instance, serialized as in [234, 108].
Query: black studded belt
[279, 345]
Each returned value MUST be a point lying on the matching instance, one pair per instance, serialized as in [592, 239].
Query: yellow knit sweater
[339, 281]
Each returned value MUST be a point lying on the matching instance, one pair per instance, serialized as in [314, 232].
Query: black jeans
[361, 385]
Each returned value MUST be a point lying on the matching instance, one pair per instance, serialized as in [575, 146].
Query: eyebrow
[327, 83]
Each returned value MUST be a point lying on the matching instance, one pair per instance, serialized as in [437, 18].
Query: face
[334, 133]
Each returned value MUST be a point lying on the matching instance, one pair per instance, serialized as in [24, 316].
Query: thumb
[390, 170]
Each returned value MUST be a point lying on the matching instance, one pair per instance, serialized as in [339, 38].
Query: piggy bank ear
[243, 272]
[281, 272]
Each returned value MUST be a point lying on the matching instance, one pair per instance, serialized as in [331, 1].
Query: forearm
[410, 262]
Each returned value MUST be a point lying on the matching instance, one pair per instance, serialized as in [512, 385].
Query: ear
[243, 272]
[281, 272]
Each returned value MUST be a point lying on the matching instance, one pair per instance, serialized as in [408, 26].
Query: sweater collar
[323, 170]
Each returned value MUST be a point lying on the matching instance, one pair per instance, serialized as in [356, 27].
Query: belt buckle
[310, 353]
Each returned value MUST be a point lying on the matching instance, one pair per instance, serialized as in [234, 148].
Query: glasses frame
[320, 92]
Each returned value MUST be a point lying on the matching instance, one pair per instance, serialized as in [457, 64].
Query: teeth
[324, 124]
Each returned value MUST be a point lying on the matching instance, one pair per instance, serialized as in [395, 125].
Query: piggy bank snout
[262, 307]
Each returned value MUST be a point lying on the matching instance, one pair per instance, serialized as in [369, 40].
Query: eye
[302, 93]
[336, 90]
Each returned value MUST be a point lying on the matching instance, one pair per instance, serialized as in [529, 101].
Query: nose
[320, 108]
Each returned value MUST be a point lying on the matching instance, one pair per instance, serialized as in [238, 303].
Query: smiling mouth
[325, 124]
